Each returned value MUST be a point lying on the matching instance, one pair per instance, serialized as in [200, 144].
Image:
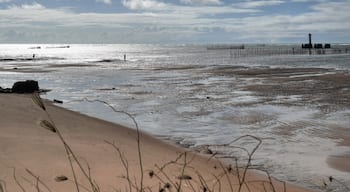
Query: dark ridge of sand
[26, 70]
[328, 87]
[42, 68]
[339, 162]
[331, 90]
[70, 65]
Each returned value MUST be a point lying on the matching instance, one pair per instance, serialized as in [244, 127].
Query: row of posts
[285, 51]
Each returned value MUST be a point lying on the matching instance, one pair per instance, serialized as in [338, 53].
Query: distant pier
[276, 49]
[309, 45]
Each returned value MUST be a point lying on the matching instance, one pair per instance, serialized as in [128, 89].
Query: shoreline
[28, 147]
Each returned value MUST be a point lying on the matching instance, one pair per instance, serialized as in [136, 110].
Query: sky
[174, 21]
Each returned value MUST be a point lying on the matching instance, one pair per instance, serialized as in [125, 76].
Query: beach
[34, 158]
[189, 95]
[199, 99]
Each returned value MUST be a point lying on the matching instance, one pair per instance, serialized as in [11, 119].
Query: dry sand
[27, 147]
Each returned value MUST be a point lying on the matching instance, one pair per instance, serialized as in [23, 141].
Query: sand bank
[33, 157]
[341, 162]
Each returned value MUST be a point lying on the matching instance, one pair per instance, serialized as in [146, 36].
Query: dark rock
[57, 101]
[44, 90]
[61, 178]
[5, 90]
[28, 86]
[184, 177]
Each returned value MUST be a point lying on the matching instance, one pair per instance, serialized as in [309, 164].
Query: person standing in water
[124, 57]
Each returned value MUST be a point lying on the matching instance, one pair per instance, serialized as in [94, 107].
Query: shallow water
[196, 96]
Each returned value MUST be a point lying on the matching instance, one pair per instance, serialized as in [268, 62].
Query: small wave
[15, 59]
[52, 47]
[109, 60]
[59, 47]
[49, 58]
[38, 47]
[31, 59]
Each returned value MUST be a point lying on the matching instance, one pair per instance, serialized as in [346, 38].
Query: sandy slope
[25, 145]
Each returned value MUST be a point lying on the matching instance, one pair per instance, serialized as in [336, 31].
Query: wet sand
[340, 162]
[327, 89]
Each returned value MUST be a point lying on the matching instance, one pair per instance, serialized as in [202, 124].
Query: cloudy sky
[174, 21]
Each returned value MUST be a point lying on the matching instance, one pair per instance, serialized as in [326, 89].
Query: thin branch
[182, 171]
[166, 176]
[137, 130]
[228, 178]
[17, 182]
[38, 180]
[124, 162]
[270, 180]
[82, 186]
[3, 186]
[36, 98]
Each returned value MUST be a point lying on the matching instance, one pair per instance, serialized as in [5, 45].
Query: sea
[207, 95]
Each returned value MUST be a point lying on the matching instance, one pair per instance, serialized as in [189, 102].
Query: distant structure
[318, 46]
[310, 40]
[315, 46]
[310, 43]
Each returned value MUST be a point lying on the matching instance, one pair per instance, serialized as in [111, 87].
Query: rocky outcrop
[28, 86]
[24, 87]
[5, 90]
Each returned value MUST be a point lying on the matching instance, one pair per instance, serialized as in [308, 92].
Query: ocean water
[197, 96]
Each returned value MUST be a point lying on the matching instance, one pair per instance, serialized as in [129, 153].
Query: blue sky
[174, 21]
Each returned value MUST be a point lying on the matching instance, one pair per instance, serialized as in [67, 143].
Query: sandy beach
[34, 158]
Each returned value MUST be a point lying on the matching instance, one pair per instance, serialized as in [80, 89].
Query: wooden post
[310, 43]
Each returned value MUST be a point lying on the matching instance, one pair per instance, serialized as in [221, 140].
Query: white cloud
[5, 1]
[105, 1]
[160, 7]
[157, 22]
[34, 6]
[256, 4]
[201, 2]
[144, 4]
[303, 1]
[325, 18]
